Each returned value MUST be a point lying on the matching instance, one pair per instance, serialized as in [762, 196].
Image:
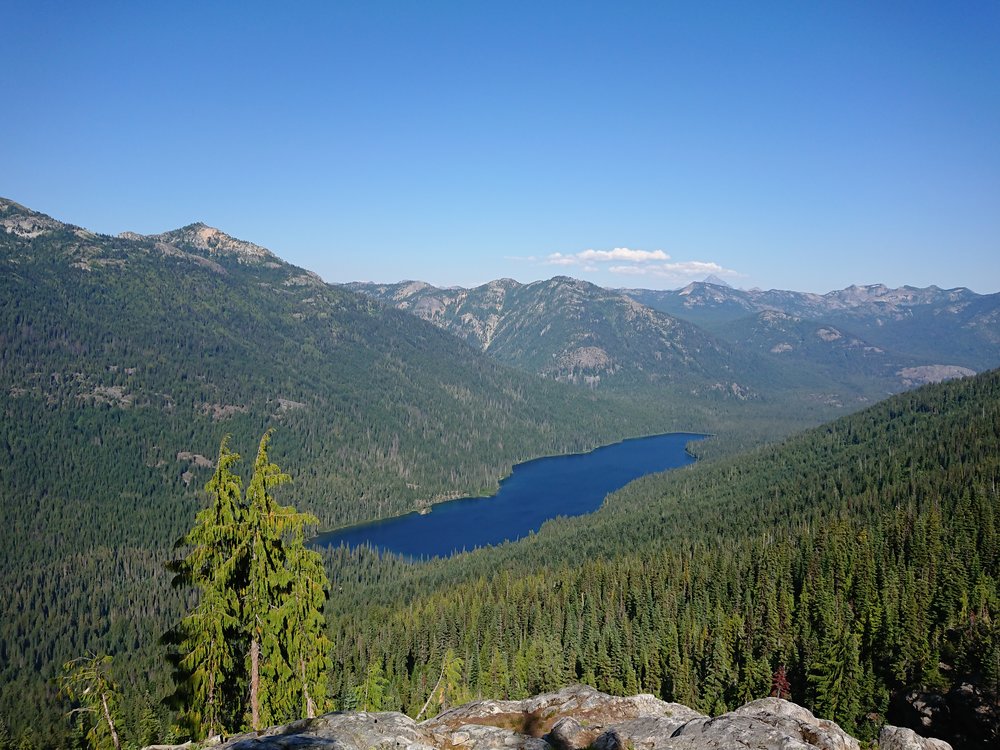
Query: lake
[535, 492]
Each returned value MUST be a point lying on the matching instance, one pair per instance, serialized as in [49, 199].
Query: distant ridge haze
[735, 336]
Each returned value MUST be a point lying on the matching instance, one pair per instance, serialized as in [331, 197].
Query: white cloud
[558, 259]
[623, 253]
[677, 271]
[605, 256]
[649, 263]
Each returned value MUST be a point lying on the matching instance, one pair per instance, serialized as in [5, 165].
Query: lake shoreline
[424, 510]
[535, 491]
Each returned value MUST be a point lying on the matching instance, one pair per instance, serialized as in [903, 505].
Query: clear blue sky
[799, 145]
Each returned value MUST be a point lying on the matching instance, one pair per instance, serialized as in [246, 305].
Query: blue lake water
[535, 492]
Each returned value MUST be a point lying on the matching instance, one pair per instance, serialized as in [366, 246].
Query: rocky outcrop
[201, 238]
[575, 718]
[912, 376]
[900, 738]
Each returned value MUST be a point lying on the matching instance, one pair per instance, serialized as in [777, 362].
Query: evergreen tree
[254, 647]
[148, 724]
[836, 680]
[211, 633]
[6, 741]
[498, 676]
[370, 694]
[87, 681]
[449, 684]
[268, 581]
[305, 628]
[209, 661]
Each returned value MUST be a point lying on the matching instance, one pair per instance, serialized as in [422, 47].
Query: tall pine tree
[304, 626]
[87, 681]
[210, 635]
[254, 650]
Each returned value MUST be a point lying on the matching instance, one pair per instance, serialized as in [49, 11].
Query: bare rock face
[573, 718]
[767, 723]
[340, 731]
[911, 376]
[900, 738]
[568, 733]
[576, 718]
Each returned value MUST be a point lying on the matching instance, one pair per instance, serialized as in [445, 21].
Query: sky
[788, 145]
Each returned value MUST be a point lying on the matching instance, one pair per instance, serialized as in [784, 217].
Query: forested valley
[126, 359]
[855, 559]
[859, 557]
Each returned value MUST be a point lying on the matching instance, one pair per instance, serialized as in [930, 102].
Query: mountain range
[195, 329]
[860, 342]
[950, 326]
[573, 331]
[124, 360]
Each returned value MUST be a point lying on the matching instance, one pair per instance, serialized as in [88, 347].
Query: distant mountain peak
[504, 283]
[203, 239]
[713, 279]
[21, 221]
[566, 280]
[7, 206]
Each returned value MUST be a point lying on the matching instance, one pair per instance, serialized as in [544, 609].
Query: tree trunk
[310, 706]
[213, 709]
[431, 696]
[111, 722]
[255, 685]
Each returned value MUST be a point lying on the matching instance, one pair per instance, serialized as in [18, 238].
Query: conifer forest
[179, 423]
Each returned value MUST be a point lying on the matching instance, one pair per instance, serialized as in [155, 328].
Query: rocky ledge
[575, 718]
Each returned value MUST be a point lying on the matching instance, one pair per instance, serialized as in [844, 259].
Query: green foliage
[87, 682]
[122, 360]
[836, 679]
[254, 647]
[6, 740]
[148, 725]
[370, 694]
[858, 556]
[108, 414]
[300, 619]
[210, 634]
[449, 688]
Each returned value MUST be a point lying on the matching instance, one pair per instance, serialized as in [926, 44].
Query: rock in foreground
[575, 718]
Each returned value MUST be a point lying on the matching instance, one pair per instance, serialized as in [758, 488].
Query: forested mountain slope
[832, 351]
[572, 330]
[863, 556]
[123, 362]
[197, 332]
